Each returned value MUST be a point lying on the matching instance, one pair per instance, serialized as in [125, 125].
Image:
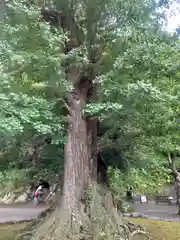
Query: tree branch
[139, 232]
[14, 72]
[172, 164]
[64, 20]
[169, 158]
[66, 105]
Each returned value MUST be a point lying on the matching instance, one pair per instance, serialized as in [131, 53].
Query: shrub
[13, 179]
[145, 181]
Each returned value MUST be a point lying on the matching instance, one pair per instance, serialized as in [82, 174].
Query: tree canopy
[132, 67]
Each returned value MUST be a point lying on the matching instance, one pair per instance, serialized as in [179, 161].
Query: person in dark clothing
[44, 184]
[129, 193]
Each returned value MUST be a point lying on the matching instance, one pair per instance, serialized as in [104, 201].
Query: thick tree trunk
[177, 187]
[171, 160]
[92, 144]
[77, 171]
[67, 218]
[178, 194]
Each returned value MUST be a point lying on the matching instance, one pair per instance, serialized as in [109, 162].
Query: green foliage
[148, 121]
[52, 158]
[136, 74]
[13, 179]
[28, 58]
[148, 180]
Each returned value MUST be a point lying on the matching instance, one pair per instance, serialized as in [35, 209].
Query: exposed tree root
[97, 218]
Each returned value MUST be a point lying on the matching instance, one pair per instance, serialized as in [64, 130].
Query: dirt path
[158, 211]
[10, 213]
[19, 212]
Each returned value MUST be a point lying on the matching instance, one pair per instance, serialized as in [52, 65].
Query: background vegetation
[138, 103]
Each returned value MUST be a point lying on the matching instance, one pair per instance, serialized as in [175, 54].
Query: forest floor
[9, 231]
[160, 230]
[166, 229]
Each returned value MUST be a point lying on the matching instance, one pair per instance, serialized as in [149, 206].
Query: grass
[8, 232]
[160, 230]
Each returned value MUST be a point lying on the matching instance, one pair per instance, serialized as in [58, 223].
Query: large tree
[62, 66]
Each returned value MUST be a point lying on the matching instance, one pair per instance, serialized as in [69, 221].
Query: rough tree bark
[92, 144]
[171, 160]
[77, 169]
